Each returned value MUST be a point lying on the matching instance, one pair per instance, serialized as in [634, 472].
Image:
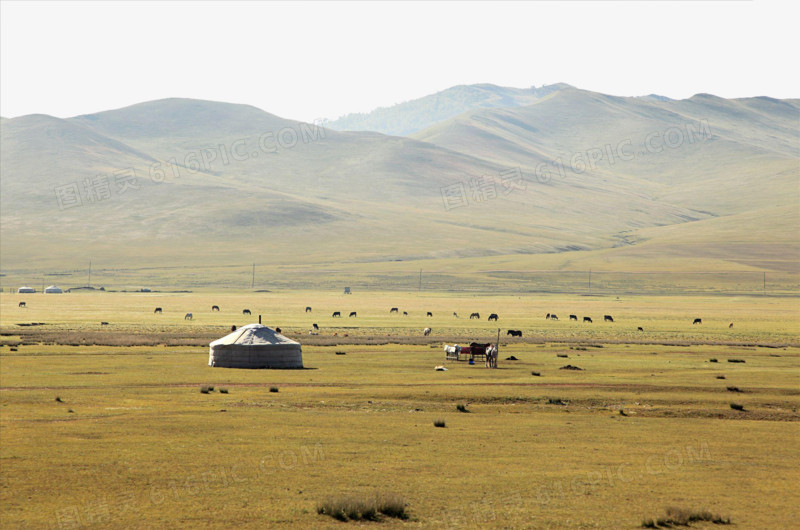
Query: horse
[553, 317]
[215, 308]
[405, 313]
[640, 328]
[455, 314]
[308, 309]
[493, 316]
[514, 333]
[352, 314]
[158, 310]
[491, 356]
[547, 316]
[22, 304]
[608, 318]
[315, 326]
[188, 316]
[426, 331]
[429, 314]
[475, 315]
[393, 310]
[730, 325]
[336, 314]
[573, 317]
[246, 312]
[697, 321]
[587, 319]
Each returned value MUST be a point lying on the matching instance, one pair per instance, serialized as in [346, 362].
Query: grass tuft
[683, 517]
[223, 390]
[736, 406]
[364, 508]
[537, 374]
[733, 389]
[59, 399]
[461, 408]
[439, 423]
[713, 361]
[273, 389]
[736, 360]
[720, 377]
[204, 389]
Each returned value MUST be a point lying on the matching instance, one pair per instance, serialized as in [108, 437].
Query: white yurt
[53, 290]
[26, 289]
[255, 346]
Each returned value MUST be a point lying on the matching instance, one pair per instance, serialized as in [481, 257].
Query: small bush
[683, 517]
[59, 399]
[736, 360]
[205, 389]
[720, 377]
[649, 523]
[273, 389]
[537, 374]
[461, 408]
[439, 423]
[733, 389]
[223, 390]
[211, 389]
[552, 401]
[736, 406]
[355, 508]
[713, 361]
[70, 411]
[563, 355]
[341, 353]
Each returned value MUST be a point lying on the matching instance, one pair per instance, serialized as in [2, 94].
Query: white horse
[491, 356]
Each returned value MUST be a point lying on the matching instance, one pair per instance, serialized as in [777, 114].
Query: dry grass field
[105, 425]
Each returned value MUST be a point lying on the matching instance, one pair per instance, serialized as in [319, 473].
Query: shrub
[552, 401]
[736, 406]
[682, 517]
[720, 377]
[564, 355]
[736, 360]
[439, 423]
[712, 360]
[273, 389]
[461, 408]
[59, 399]
[537, 374]
[205, 389]
[223, 390]
[363, 508]
[341, 353]
[733, 389]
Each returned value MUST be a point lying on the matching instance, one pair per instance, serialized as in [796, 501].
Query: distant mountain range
[554, 175]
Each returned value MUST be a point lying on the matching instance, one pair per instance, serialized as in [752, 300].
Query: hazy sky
[311, 60]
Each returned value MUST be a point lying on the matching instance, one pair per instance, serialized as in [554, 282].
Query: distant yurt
[26, 289]
[53, 290]
[255, 346]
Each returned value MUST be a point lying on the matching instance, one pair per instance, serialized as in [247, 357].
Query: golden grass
[144, 447]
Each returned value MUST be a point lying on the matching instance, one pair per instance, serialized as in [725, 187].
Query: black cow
[308, 309]
[158, 310]
[393, 310]
[405, 313]
[233, 328]
[640, 328]
[22, 304]
[246, 312]
[315, 326]
[352, 314]
[429, 314]
[493, 316]
[215, 308]
[608, 318]
[697, 321]
[573, 317]
[277, 330]
[730, 325]
[336, 314]
[547, 316]
[475, 315]
[587, 319]
[514, 333]
[103, 323]
[553, 317]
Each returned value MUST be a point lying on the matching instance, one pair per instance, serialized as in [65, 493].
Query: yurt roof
[254, 335]
[53, 287]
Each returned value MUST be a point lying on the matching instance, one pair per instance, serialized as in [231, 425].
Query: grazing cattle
[730, 325]
[158, 310]
[697, 321]
[188, 316]
[608, 318]
[587, 319]
[493, 316]
[246, 312]
[352, 314]
[573, 317]
[514, 333]
[315, 326]
[553, 317]
[277, 330]
[308, 309]
[426, 331]
[22, 304]
[103, 323]
[393, 310]
[405, 313]
[640, 328]
[233, 328]
[215, 308]
[547, 316]
[475, 315]
[429, 314]
[336, 314]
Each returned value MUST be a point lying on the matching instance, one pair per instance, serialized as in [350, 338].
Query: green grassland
[132, 442]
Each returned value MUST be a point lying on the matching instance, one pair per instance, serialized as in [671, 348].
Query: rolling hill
[564, 179]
